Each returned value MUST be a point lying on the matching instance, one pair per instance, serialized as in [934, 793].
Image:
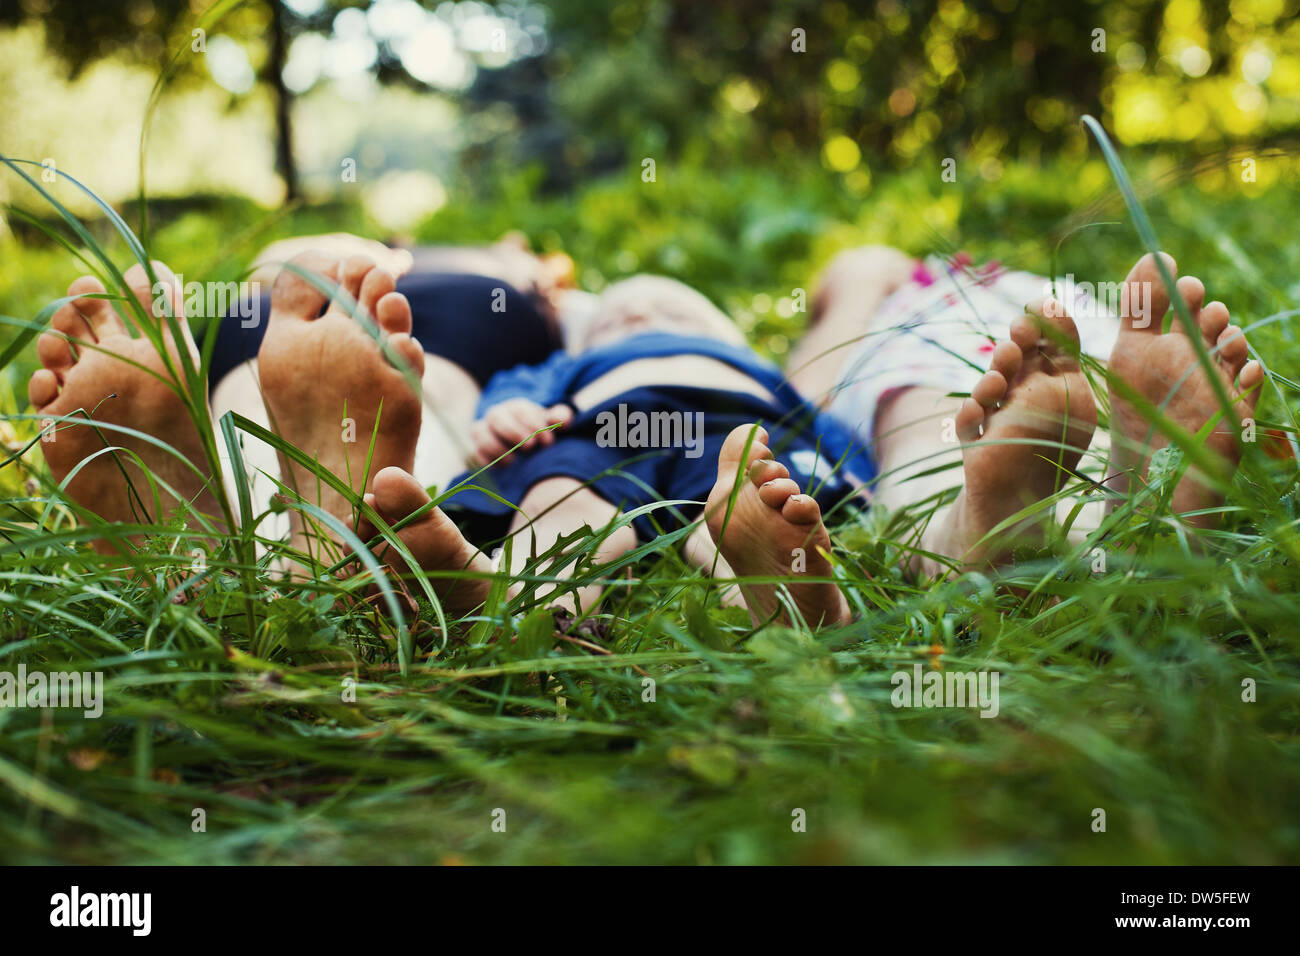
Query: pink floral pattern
[939, 330]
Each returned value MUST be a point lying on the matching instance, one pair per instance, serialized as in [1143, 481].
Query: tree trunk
[279, 54]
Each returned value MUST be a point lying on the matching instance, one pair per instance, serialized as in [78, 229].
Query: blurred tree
[882, 82]
[151, 31]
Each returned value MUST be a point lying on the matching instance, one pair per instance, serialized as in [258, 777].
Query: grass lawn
[309, 728]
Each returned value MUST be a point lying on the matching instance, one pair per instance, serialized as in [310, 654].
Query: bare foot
[767, 529]
[327, 383]
[1154, 363]
[1023, 430]
[434, 541]
[87, 367]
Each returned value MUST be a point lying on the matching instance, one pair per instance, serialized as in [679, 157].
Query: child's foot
[89, 367]
[1023, 430]
[326, 382]
[773, 530]
[1154, 363]
[434, 541]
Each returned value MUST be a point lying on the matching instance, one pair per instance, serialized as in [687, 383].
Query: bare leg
[848, 294]
[92, 367]
[916, 433]
[771, 530]
[1022, 432]
[1155, 363]
[700, 552]
[555, 507]
[331, 391]
[450, 396]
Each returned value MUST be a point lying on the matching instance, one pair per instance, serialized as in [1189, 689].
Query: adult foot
[1023, 430]
[91, 366]
[772, 531]
[433, 540]
[328, 386]
[1158, 364]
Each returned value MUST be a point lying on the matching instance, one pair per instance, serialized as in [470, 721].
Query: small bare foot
[88, 367]
[1023, 430]
[434, 541]
[1155, 363]
[327, 383]
[767, 529]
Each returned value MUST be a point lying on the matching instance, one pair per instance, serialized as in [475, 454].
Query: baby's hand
[511, 422]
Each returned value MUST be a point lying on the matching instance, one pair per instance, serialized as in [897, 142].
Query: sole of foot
[1023, 431]
[772, 530]
[329, 389]
[91, 364]
[433, 540]
[1162, 367]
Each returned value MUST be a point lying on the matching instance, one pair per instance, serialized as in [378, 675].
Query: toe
[801, 509]
[969, 419]
[1025, 334]
[1192, 291]
[158, 299]
[98, 313]
[777, 492]
[73, 325]
[410, 350]
[1252, 376]
[734, 447]
[353, 274]
[294, 296]
[42, 388]
[1213, 320]
[376, 284]
[1007, 358]
[1053, 326]
[55, 353]
[1232, 349]
[763, 470]
[392, 310]
[362, 527]
[1144, 299]
[397, 494]
[990, 389]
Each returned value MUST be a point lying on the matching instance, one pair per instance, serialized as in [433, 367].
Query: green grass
[1120, 690]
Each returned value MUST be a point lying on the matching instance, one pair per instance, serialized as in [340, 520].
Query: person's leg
[92, 368]
[449, 316]
[448, 401]
[701, 552]
[1154, 363]
[771, 530]
[848, 294]
[917, 448]
[555, 507]
[550, 509]
[1019, 438]
[331, 392]
[433, 540]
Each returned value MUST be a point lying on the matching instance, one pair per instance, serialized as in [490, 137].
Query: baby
[634, 428]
